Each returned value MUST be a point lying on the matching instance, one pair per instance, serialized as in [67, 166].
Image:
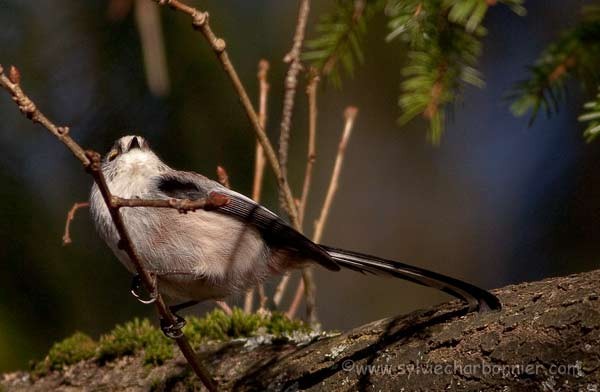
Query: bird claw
[137, 287]
[173, 330]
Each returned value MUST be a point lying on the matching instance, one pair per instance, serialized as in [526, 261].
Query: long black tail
[477, 298]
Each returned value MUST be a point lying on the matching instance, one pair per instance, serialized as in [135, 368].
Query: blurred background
[496, 203]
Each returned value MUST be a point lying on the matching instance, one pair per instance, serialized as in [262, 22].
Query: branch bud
[350, 113]
[14, 75]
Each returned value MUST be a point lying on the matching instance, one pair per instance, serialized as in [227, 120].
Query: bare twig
[92, 163]
[293, 309]
[249, 300]
[201, 23]
[66, 239]
[291, 81]
[259, 169]
[213, 201]
[311, 92]
[223, 305]
[280, 289]
[149, 26]
[262, 298]
[223, 177]
[349, 116]
[310, 297]
[259, 164]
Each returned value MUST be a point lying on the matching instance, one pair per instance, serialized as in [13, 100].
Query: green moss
[213, 326]
[244, 325]
[133, 337]
[279, 324]
[73, 349]
[140, 335]
[218, 326]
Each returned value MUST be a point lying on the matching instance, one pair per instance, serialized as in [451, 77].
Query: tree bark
[547, 337]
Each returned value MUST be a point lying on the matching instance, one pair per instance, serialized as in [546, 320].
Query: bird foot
[173, 330]
[137, 289]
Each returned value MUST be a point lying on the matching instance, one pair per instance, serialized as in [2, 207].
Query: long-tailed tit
[212, 254]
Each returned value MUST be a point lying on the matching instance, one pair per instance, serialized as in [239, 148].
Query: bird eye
[112, 155]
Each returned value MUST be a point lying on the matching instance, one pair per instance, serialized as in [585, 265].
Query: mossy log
[546, 338]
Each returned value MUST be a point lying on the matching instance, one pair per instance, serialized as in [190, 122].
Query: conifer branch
[576, 54]
[591, 116]
[340, 37]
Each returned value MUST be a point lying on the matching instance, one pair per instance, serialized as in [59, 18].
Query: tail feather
[475, 297]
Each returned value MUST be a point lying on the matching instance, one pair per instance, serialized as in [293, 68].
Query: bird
[214, 254]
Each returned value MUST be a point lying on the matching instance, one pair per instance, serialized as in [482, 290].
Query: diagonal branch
[311, 92]
[291, 82]
[259, 165]
[350, 116]
[259, 170]
[92, 163]
[201, 23]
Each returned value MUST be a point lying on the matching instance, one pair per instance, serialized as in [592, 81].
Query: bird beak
[134, 144]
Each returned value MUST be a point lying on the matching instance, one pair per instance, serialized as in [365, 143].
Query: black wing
[275, 232]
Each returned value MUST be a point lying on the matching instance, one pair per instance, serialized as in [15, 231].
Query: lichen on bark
[545, 338]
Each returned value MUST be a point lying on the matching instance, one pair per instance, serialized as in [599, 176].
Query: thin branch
[149, 26]
[291, 82]
[29, 110]
[224, 307]
[310, 297]
[66, 239]
[259, 164]
[293, 309]
[262, 298]
[201, 23]
[311, 92]
[280, 289]
[92, 163]
[349, 116]
[223, 177]
[259, 169]
[212, 202]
